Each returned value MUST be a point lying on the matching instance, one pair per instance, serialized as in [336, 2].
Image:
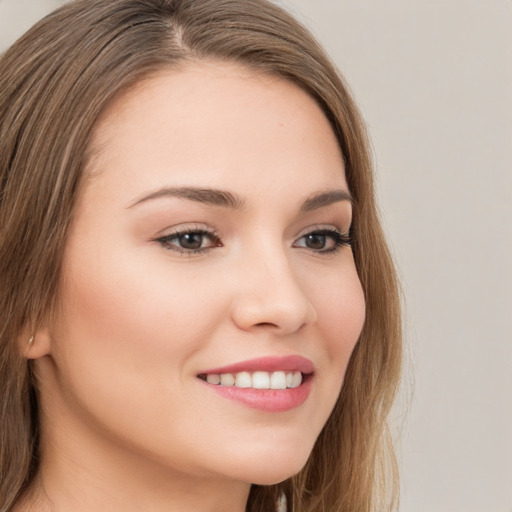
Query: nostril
[266, 324]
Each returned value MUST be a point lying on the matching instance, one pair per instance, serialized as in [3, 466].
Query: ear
[36, 344]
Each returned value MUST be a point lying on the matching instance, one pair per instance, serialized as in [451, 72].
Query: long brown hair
[54, 83]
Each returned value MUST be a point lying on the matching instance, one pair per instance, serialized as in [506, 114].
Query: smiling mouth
[257, 380]
[269, 384]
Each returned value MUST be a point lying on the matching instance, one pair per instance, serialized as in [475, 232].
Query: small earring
[31, 340]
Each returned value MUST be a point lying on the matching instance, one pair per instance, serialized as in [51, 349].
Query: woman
[199, 309]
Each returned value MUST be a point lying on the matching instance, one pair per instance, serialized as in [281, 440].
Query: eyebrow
[227, 199]
[201, 195]
[325, 199]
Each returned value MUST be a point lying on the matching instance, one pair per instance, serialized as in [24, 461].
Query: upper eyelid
[187, 228]
[323, 227]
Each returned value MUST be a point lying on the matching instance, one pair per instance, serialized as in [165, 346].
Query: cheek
[341, 314]
[341, 311]
[336, 294]
[125, 345]
[128, 303]
[123, 322]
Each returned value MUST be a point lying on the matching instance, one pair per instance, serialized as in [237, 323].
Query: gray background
[434, 81]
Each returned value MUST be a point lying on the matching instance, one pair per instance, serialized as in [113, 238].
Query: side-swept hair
[55, 81]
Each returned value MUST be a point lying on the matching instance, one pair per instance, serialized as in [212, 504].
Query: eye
[324, 240]
[190, 241]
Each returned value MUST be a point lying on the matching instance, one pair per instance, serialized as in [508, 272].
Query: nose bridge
[269, 293]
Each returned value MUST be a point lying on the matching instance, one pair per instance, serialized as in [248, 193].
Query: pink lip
[267, 364]
[268, 400]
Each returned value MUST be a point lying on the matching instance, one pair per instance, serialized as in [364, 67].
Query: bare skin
[160, 286]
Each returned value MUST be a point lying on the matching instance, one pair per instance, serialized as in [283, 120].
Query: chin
[272, 475]
[270, 470]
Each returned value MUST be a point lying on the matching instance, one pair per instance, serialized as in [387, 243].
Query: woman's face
[211, 243]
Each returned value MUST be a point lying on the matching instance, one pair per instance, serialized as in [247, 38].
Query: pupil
[315, 241]
[191, 240]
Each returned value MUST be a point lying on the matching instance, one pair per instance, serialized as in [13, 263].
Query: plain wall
[434, 81]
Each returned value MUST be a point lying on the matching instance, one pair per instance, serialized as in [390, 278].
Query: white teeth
[278, 380]
[260, 380]
[243, 380]
[296, 380]
[213, 378]
[227, 379]
[257, 380]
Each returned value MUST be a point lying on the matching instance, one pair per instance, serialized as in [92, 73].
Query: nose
[268, 295]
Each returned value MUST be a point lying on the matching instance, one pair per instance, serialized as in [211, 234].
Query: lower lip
[268, 400]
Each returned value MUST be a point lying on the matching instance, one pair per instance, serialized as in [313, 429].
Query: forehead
[216, 121]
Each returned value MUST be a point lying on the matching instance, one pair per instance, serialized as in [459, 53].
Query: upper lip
[292, 363]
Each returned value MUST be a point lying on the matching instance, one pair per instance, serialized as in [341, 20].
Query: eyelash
[340, 240]
[213, 236]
